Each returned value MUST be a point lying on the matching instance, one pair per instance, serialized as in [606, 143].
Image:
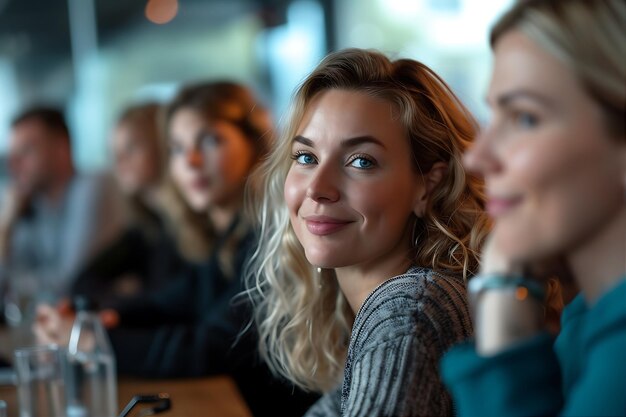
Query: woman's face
[554, 176]
[351, 188]
[136, 157]
[209, 160]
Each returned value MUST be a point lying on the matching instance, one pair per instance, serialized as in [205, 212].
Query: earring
[415, 234]
[319, 277]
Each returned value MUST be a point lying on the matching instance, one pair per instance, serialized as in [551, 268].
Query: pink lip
[323, 225]
[199, 183]
[499, 206]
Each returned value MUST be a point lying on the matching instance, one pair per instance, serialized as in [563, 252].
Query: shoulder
[413, 296]
[605, 322]
[420, 303]
[86, 190]
[590, 346]
[417, 283]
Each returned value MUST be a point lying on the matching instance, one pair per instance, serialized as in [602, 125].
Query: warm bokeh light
[521, 293]
[161, 11]
[140, 60]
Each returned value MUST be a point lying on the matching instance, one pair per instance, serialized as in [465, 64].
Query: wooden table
[210, 397]
[215, 396]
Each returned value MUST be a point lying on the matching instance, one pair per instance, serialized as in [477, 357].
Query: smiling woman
[352, 181]
[367, 220]
[554, 162]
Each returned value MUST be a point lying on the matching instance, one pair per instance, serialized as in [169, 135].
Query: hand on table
[54, 324]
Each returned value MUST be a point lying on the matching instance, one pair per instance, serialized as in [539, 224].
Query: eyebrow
[197, 137]
[346, 143]
[505, 99]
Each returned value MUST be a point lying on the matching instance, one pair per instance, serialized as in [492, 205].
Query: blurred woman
[216, 134]
[144, 257]
[369, 223]
[554, 161]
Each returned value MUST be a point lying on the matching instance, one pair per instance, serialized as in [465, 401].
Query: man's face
[31, 155]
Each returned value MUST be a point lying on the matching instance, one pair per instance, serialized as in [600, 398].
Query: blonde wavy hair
[236, 104]
[589, 37]
[304, 327]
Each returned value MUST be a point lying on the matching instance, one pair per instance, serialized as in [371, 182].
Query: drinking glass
[40, 381]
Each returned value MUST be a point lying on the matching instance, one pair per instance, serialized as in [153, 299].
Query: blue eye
[304, 158]
[361, 163]
[526, 120]
[209, 141]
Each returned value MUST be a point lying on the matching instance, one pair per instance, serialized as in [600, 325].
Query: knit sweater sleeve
[392, 366]
[398, 377]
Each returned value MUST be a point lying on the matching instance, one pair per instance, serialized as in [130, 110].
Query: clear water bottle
[92, 380]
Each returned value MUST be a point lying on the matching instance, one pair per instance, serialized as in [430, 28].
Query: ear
[62, 147]
[431, 180]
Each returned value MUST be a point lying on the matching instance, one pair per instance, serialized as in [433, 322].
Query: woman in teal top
[554, 161]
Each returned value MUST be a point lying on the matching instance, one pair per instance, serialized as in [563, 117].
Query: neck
[358, 281]
[56, 188]
[222, 216]
[152, 198]
[601, 263]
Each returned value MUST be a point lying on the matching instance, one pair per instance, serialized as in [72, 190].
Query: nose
[195, 158]
[323, 185]
[481, 158]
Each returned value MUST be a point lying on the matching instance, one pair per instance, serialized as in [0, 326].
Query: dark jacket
[143, 259]
[193, 327]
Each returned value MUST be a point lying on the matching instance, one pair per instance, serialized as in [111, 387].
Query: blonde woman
[144, 257]
[554, 161]
[369, 227]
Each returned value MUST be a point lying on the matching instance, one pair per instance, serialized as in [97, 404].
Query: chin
[527, 251]
[198, 205]
[318, 260]
[129, 189]
[325, 260]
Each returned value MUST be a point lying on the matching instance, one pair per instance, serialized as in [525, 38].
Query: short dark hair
[51, 117]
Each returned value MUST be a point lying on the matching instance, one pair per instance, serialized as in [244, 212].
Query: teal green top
[583, 373]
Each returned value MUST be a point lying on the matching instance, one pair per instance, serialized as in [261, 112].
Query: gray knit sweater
[399, 334]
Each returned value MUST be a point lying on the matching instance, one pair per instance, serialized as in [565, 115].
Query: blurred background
[94, 57]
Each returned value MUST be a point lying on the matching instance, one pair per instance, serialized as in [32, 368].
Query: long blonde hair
[304, 327]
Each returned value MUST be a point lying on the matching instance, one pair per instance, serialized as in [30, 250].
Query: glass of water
[40, 381]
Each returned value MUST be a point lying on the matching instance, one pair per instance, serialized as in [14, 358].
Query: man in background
[52, 219]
